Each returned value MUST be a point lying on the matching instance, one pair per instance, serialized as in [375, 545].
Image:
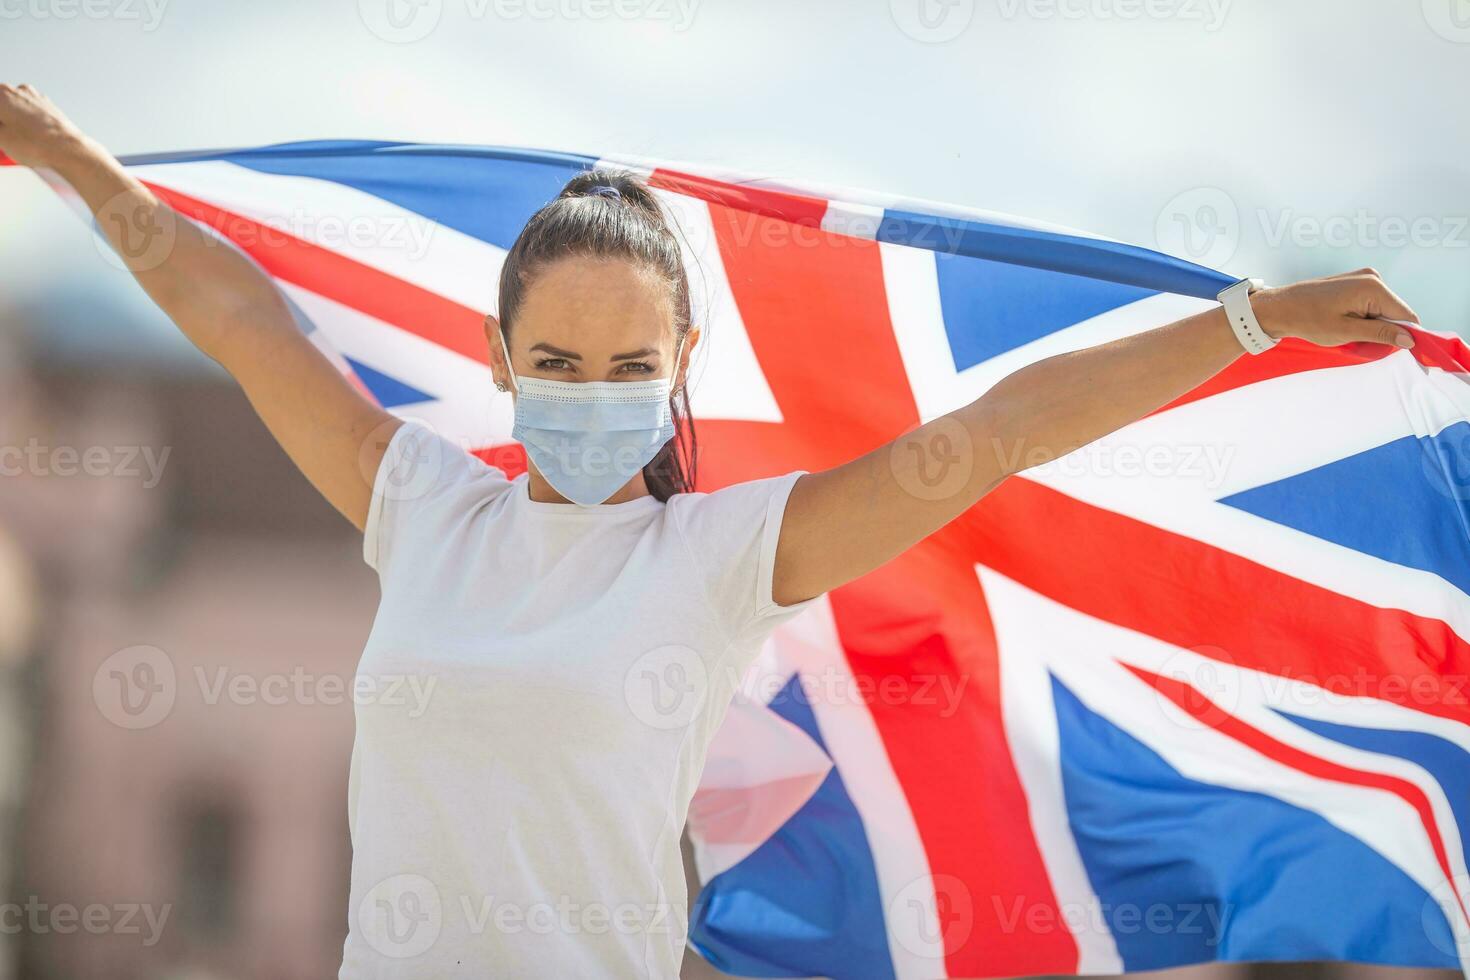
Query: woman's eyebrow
[557, 351]
[640, 352]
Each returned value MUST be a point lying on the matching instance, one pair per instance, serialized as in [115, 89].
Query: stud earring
[501, 386]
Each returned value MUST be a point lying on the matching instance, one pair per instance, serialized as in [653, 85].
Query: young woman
[581, 628]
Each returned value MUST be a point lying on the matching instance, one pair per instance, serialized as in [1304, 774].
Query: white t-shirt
[534, 706]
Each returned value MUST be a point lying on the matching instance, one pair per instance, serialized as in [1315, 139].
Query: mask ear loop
[509, 370]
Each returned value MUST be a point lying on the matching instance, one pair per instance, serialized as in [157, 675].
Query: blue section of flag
[1442, 759]
[806, 902]
[1075, 255]
[1160, 849]
[485, 192]
[992, 307]
[389, 391]
[1368, 502]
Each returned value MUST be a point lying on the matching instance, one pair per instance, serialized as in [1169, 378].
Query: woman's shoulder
[735, 512]
[425, 483]
[421, 462]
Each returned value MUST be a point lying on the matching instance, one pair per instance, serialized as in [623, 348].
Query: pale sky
[1285, 139]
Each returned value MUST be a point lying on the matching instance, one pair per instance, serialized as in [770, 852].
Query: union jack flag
[1196, 692]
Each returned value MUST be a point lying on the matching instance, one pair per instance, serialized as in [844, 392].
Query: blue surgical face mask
[589, 438]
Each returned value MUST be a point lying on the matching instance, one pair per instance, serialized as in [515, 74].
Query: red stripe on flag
[798, 209]
[5, 161]
[817, 316]
[361, 287]
[1210, 714]
[1196, 596]
[508, 456]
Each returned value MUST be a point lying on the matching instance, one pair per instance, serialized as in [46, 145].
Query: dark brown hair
[611, 214]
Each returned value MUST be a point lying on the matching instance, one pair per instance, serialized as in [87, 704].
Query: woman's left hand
[1354, 306]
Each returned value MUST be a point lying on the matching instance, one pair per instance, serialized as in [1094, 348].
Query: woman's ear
[498, 367]
[681, 370]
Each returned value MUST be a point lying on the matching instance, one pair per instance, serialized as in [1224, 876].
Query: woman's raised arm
[221, 300]
[844, 522]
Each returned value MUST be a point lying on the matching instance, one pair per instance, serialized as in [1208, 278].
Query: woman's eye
[638, 367]
[552, 364]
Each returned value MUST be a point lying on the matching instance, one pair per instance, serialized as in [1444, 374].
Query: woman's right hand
[222, 301]
[33, 132]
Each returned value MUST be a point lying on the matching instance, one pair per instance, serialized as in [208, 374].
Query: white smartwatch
[1236, 300]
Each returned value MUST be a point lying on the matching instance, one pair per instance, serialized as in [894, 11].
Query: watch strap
[1236, 300]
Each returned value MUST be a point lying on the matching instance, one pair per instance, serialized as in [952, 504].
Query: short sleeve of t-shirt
[427, 480]
[732, 535]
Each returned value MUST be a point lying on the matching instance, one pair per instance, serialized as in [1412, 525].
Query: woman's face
[587, 319]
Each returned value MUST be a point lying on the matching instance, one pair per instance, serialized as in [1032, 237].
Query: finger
[1376, 331]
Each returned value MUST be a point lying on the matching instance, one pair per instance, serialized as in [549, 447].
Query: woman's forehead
[595, 307]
